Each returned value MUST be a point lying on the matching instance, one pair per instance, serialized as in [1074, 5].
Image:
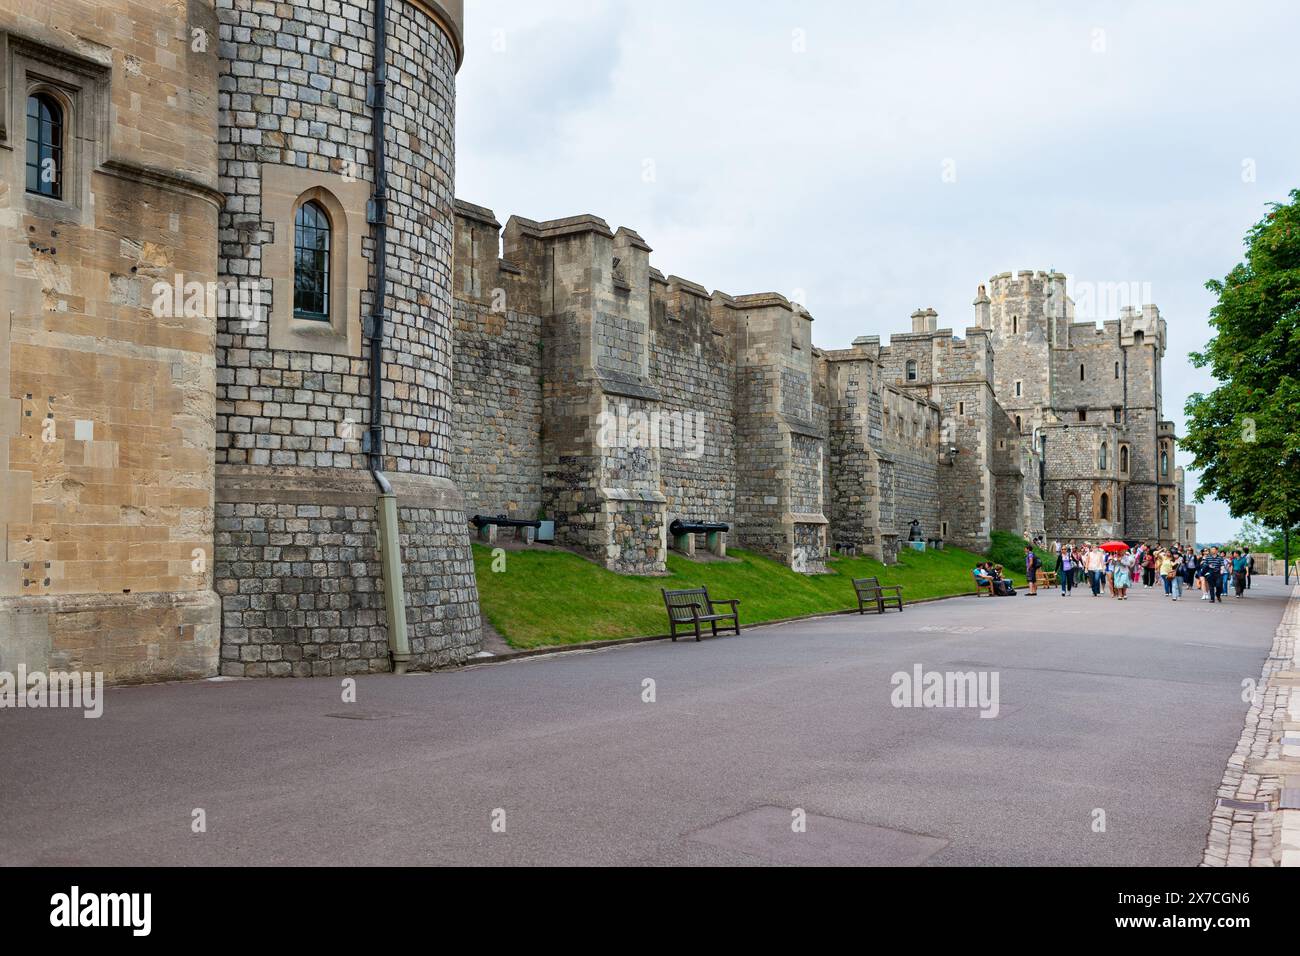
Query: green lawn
[547, 597]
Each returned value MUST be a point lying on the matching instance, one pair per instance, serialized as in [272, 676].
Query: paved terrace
[1132, 708]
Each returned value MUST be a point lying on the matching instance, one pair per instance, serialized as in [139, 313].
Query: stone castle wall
[297, 561]
[692, 361]
[187, 493]
[106, 386]
[801, 449]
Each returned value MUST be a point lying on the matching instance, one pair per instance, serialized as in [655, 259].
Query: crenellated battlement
[807, 446]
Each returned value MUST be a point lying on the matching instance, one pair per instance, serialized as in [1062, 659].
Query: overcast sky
[872, 158]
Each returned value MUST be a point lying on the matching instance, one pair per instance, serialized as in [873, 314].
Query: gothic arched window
[1105, 507]
[1071, 507]
[1164, 463]
[311, 262]
[911, 370]
[1123, 457]
[1102, 456]
[44, 146]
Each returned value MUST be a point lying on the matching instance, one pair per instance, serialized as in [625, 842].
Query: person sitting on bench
[1001, 586]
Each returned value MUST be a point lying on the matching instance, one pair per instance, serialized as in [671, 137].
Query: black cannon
[501, 521]
[680, 527]
[525, 528]
[683, 534]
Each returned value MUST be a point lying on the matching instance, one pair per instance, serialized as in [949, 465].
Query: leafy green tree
[1244, 435]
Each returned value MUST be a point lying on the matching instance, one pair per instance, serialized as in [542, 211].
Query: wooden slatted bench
[689, 608]
[870, 589]
[982, 585]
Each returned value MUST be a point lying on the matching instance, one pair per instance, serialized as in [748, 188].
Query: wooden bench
[870, 589]
[982, 585]
[692, 607]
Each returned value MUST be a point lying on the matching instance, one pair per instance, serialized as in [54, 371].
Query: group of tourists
[1113, 568]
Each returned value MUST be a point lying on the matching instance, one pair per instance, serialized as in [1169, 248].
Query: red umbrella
[1114, 546]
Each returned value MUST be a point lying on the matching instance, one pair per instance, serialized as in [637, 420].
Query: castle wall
[297, 560]
[692, 362]
[497, 375]
[1021, 333]
[106, 387]
[963, 372]
[852, 493]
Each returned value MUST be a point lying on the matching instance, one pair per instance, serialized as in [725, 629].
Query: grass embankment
[546, 597]
[1008, 550]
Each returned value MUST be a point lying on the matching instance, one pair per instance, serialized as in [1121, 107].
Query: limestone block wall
[1075, 484]
[296, 550]
[106, 389]
[1103, 385]
[692, 362]
[601, 480]
[497, 375]
[1021, 335]
[779, 450]
[909, 440]
[853, 497]
[964, 393]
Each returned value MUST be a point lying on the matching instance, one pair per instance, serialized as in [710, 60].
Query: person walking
[1240, 564]
[1065, 571]
[1250, 567]
[1212, 575]
[1096, 569]
[1189, 568]
[1167, 573]
[1122, 575]
[1148, 568]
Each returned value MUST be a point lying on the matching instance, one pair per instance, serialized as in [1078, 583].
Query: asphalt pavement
[783, 745]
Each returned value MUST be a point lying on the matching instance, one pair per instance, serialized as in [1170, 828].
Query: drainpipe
[390, 548]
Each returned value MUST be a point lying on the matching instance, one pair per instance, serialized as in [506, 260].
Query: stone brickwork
[655, 399]
[1061, 380]
[801, 448]
[297, 549]
[692, 362]
[302, 590]
[106, 397]
[497, 379]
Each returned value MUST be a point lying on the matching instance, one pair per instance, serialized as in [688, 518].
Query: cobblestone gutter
[1256, 819]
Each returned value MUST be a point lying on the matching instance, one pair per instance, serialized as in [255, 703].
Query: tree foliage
[1243, 435]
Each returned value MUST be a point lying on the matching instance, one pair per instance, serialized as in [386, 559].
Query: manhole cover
[827, 841]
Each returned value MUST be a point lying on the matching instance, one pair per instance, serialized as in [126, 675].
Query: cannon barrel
[501, 521]
[680, 527]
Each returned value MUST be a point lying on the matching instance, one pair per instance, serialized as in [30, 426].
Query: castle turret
[983, 311]
[333, 414]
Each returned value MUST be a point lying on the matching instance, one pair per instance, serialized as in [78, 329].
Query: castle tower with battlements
[1087, 397]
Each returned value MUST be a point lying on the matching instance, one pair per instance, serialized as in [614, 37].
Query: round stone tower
[332, 404]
